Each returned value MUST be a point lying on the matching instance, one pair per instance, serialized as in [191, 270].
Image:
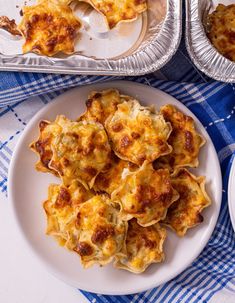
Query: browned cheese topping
[184, 139]
[144, 246]
[222, 30]
[145, 194]
[49, 28]
[186, 211]
[9, 25]
[118, 10]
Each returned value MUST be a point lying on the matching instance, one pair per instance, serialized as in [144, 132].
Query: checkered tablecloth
[22, 95]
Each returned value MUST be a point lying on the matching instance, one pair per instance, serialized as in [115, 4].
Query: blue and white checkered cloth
[22, 95]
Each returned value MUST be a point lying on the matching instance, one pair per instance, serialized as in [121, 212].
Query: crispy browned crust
[184, 139]
[101, 105]
[185, 213]
[110, 180]
[61, 208]
[81, 151]
[102, 232]
[9, 25]
[42, 147]
[49, 27]
[145, 194]
[137, 134]
[116, 12]
[143, 246]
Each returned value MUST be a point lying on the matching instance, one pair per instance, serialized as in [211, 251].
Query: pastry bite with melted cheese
[145, 194]
[49, 27]
[185, 213]
[119, 10]
[109, 181]
[84, 223]
[81, 151]
[222, 30]
[72, 150]
[143, 246]
[137, 134]
[42, 146]
[184, 139]
[101, 231]
[61, 209]
[101, 105]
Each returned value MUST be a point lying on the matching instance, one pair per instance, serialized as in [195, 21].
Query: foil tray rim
[195, 36]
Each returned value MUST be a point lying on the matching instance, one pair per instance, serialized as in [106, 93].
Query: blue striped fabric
[213, 103]
[16, 87]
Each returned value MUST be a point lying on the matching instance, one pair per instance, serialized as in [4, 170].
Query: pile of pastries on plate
[50, 26]
[123, 178]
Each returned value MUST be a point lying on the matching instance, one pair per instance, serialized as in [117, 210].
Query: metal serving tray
[200, 49]
[133, 48]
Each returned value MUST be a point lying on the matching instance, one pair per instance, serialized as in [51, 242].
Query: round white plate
[231, 193]
[28, 189]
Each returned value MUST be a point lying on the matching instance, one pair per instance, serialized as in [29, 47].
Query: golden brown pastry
[81, 151]
[101, 105]
[143, 246]
[49, 27]
[137, 134]
[101, 231]
[61, 209]
[222, 30]
[145, 194]
[43, 145]
[186, 211]
[184, 139]
[118, 10]
[110, 180]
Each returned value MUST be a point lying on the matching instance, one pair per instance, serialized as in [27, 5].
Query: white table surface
[22, 278]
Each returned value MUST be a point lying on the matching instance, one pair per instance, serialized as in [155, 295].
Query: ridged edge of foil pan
[203, 54]
[145, 60]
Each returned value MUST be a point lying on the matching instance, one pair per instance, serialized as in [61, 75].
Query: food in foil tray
[222, 30]
[111, 205]
[119, 10]
[51, 26]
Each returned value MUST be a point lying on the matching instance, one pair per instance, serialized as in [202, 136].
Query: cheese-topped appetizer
[137, 134]
[119, 10]
[185, 213]
[49, 27]
[143, 246]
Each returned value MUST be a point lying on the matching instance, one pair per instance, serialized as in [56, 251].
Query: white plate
[28, 188]
[231, 194]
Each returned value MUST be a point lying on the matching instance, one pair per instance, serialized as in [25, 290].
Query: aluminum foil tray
[132, 48]
[200, 49]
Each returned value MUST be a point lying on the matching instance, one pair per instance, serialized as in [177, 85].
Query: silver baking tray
[133, 48]
[201, 51]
